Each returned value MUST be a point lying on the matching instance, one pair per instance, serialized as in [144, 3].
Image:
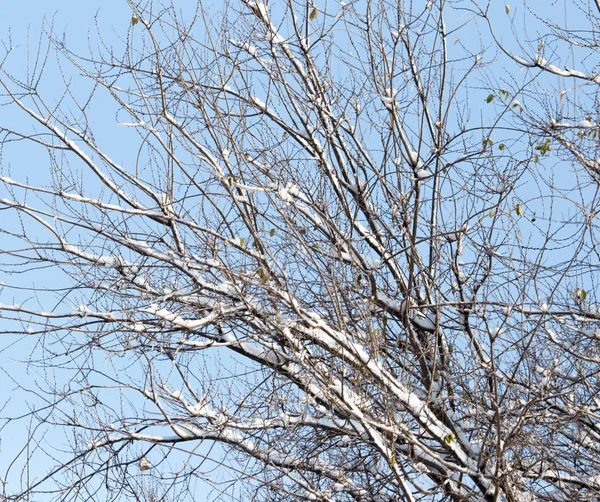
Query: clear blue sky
[20, 24]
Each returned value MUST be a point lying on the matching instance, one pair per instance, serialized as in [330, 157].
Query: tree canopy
[304, 250]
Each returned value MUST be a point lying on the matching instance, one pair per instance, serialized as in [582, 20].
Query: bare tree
[331, 265]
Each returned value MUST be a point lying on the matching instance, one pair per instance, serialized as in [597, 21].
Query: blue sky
[22, 22]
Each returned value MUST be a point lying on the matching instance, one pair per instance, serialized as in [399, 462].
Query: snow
[422, 174]
[284, 194]
[293, 189]
[425, 323]
[259, 103]
[586, 124]
[260, 8]
[338, 487]
[494, 331]
[591, 309]
[185, 432]
[575, 73]
[523, 61]
[345, 256]
[388, 102]
[94, 444]
[249, 188]
[199, 409]
[413, 157]
[373, 264]
[392, 305]
[131, 124]
[558, 71]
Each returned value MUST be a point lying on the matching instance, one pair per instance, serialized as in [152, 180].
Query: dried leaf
[519, 210]
[144, 464]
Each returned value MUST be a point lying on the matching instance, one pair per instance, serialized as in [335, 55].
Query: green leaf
[272, 232]
[449, 439]
[302, 231]
[501, 147]
[579, 294]
[262, 274]
[490, 98]
[313, 14]
[544, 148]
[242, 241]
[519, 210]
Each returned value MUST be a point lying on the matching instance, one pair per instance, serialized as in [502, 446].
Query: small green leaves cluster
[544, 148]
[503, 93]
[449, 439]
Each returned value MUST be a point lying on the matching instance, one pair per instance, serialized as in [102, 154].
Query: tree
[331, 249]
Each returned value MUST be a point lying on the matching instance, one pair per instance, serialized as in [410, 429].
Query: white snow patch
[586, 124]
[259, 103]
[422, 174]
[413, 157]
[131, 124]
